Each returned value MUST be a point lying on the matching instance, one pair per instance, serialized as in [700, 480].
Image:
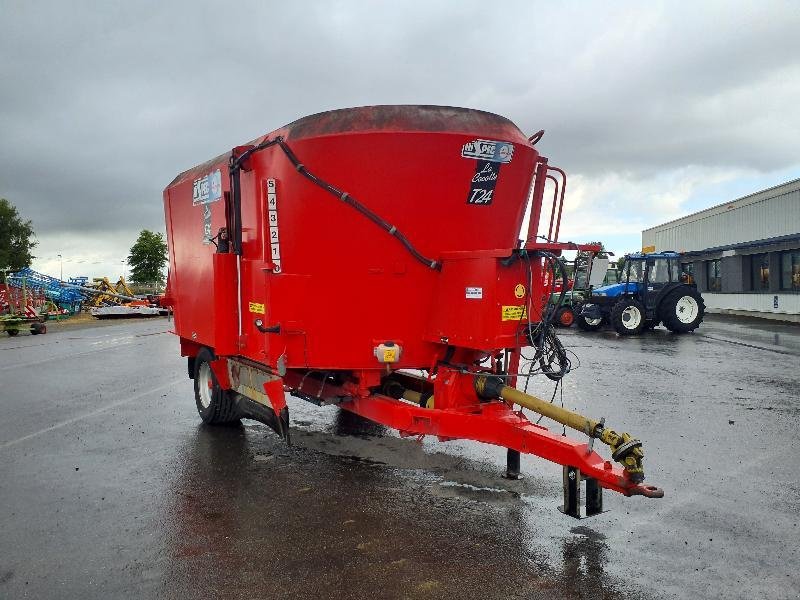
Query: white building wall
[760, 305]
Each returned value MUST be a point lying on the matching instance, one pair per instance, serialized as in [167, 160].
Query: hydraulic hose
[342, 195]
[624, 449]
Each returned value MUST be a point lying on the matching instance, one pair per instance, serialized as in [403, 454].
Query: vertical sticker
[207, 224]
[483, 182]
[272, 226]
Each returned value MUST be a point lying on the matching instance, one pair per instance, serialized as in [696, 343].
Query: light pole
[61, 266]
[123, 261]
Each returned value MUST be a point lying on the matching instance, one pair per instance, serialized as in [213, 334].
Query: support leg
[512, 464]
[594, 497]
[572, 492]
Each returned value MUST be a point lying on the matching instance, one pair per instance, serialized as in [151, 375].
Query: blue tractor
[651, 289]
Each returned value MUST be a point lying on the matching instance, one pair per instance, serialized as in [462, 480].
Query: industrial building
[744, 255]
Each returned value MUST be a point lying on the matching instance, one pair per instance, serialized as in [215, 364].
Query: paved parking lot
[111, 488]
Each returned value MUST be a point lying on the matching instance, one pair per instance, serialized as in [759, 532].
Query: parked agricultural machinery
[31, 297]
[651, 289]
[369, 258]
[588, 271]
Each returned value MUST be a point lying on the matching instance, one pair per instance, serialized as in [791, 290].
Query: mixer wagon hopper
[370, 258]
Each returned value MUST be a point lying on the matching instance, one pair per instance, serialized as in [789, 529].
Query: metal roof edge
[788, 184]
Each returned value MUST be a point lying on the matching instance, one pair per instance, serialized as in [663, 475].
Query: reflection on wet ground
[305, 523]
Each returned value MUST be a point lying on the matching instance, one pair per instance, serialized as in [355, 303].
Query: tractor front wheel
[682, 311]
[565, 316]
[214, 404]
[627, 317]
[587, 324]
[12, 332]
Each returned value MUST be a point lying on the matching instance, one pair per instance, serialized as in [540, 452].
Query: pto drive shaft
[624, 449]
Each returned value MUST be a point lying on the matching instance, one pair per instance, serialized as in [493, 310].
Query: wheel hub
[631, 317]
[205, 385]
[686, 309]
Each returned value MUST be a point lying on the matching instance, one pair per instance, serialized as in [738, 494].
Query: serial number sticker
[257, 307]
[514, 313]
[474, 293]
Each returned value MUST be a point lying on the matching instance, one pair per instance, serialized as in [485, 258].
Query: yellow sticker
[519, 291]
[256, 307]
[514, 313]
[390, 355]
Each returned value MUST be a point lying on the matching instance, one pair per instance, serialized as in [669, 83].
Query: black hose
[342, 195]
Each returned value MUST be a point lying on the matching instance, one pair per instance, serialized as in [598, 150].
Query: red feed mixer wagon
[370, 258]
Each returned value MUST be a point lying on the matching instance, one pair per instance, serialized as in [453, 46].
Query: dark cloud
[101, 104]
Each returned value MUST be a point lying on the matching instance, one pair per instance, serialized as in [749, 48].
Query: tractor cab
[650, 290]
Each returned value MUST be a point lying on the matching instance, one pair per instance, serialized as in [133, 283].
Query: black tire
[214, 405]
[628, 317]
[586, 325]
[34, 329]
[682, 310]
[565, 317]
[12, 332]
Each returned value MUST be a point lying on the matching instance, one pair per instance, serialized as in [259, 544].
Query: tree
[147, 258]
[16, 240]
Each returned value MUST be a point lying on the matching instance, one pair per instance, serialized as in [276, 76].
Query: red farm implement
[370, 258]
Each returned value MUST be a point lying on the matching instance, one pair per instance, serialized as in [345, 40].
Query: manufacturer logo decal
[492, 151]
[207, 189]
[519, 291]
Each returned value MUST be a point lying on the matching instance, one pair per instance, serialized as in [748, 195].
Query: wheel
[40, 328]
[588, 324]
[12, 332]
[565, 317]
[34, 329]
[627, 317]
[214, 404]
[682, 310]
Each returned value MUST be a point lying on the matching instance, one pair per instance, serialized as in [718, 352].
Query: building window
[790, 271]
[760, 270]
[714, 275]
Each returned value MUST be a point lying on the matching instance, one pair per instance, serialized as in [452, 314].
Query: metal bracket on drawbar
[572, 494]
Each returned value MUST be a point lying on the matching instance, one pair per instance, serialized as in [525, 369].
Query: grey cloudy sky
[654, 109]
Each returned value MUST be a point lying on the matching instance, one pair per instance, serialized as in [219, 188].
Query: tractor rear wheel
[565, 316]
[587, 324]
[627, 317]
[12, 332]
[214, 404]
[682, 310]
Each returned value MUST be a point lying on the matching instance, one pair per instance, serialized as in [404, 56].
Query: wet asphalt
[111, 488]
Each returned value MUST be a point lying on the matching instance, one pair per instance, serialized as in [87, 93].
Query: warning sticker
[474, 293]
[257, 307]
[514, 313]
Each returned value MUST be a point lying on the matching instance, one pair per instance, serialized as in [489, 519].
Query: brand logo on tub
[207, 188]
[500, 152]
